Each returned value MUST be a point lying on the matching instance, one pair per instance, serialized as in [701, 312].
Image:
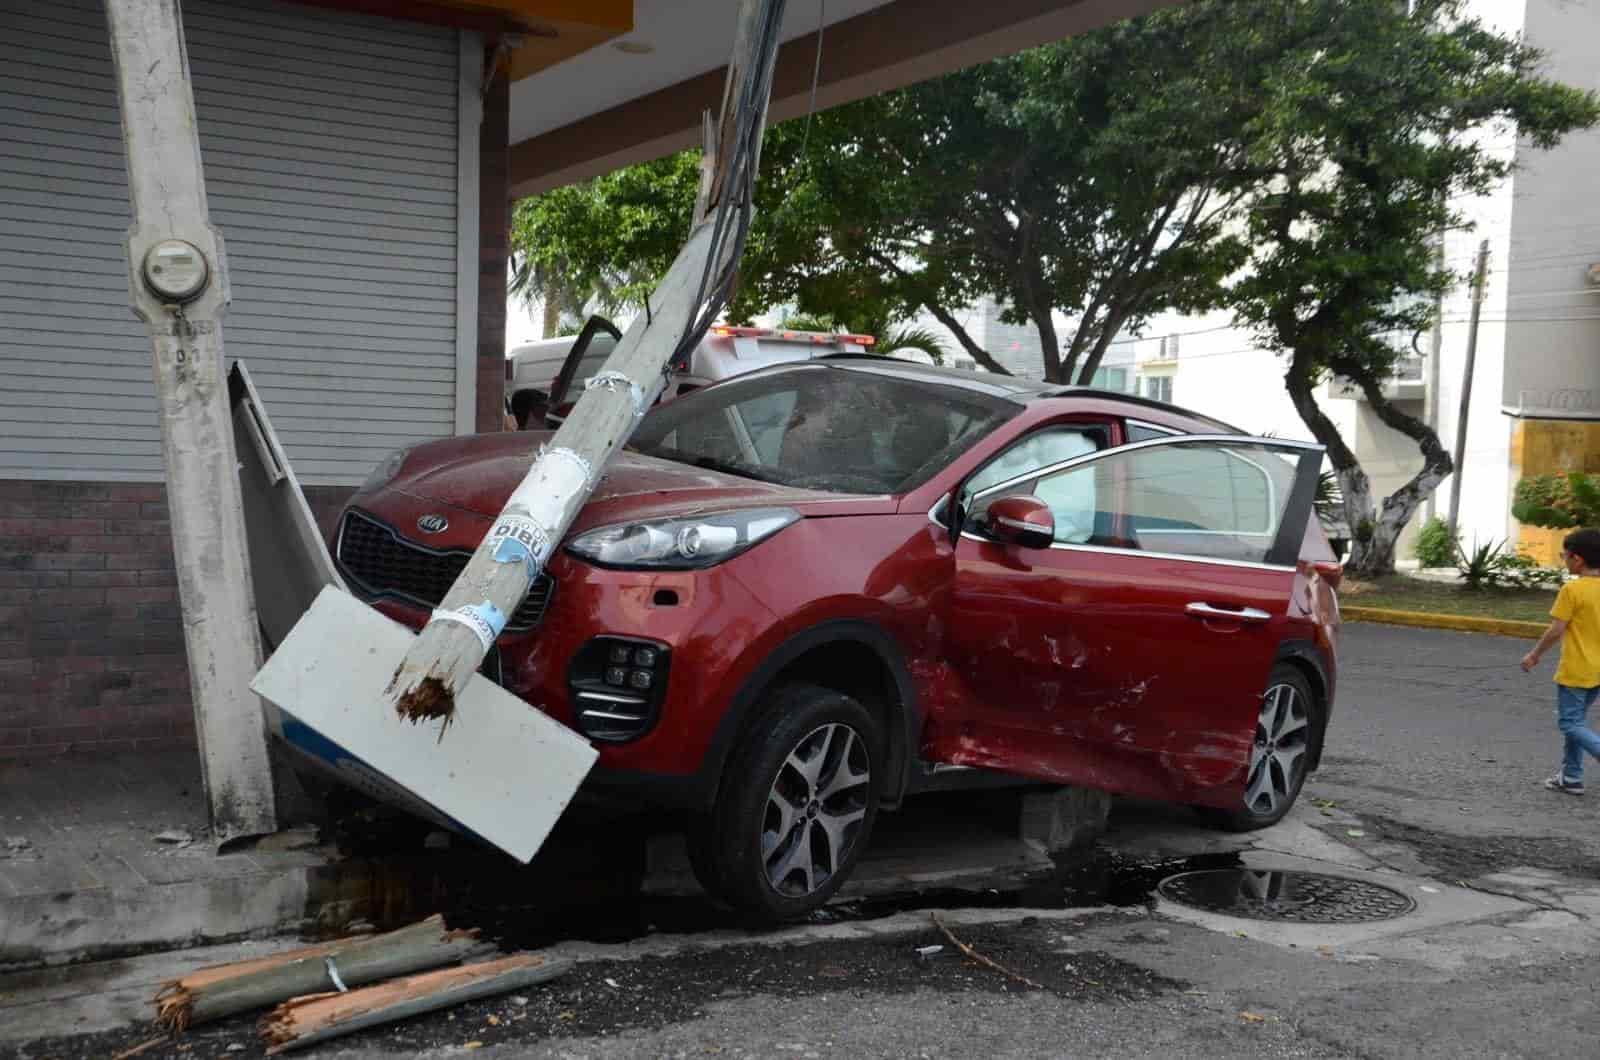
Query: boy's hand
[1529, 661]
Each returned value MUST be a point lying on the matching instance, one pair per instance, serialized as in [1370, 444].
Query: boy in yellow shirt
[1576, 625]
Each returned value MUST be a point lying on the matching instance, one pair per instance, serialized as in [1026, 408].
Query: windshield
[823, 428]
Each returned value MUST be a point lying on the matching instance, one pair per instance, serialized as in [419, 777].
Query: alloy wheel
[815, 809]
[1278, 755]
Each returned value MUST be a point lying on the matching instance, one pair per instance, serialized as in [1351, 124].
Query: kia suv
[800, 594]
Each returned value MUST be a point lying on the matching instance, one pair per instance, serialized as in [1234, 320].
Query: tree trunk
[1374, 533]
[978, 353]
[1400, 505]
[552, 308]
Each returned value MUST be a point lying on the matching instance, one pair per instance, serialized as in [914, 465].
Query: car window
[1144, 432]
[823, 428]
[1041, 449]
[589, 365]
[1214, 500]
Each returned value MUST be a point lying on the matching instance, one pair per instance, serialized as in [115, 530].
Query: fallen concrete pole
[225, 989]
[541, 509]
[305, 1021]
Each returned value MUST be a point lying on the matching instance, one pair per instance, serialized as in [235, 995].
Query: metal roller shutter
[330, 148]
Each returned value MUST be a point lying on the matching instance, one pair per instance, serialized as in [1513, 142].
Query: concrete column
[1061, 820]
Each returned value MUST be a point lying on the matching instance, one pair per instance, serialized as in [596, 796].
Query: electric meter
[176, 270]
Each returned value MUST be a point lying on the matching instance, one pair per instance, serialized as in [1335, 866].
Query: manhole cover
[1307, 897]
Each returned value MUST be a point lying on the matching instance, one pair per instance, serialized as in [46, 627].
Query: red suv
[803, 594]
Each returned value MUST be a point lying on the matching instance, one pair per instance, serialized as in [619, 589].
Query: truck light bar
[818, 338]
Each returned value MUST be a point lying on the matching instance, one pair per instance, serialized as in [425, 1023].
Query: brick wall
[91, 640]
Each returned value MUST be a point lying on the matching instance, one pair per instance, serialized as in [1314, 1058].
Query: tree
[606, 241]
[1094, 178]
[1366, 142]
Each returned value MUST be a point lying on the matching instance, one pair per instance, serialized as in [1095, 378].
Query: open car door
[589, 352]
[1127, 648]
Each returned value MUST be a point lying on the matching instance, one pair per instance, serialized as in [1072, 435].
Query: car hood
[476, 473]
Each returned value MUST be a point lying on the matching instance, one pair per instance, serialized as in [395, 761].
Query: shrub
[1558, 501]
[1492, 567]
[1435, 546]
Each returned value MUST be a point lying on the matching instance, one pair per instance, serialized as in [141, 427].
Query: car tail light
[617, 685]
[1332, 573]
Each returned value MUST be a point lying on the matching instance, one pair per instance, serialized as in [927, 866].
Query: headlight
[680, 544]
[385, 472]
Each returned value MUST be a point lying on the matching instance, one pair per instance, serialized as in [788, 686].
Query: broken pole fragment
[223, 990]
[305, 1021]
[540, 511]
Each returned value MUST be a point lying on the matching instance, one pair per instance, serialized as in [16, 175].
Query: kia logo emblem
[432, 524]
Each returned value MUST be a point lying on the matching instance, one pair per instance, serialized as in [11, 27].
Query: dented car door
[1131, 651]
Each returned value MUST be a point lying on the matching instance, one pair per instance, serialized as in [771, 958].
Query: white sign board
[503, 771]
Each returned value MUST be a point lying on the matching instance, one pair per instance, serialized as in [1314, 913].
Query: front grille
[379, 562]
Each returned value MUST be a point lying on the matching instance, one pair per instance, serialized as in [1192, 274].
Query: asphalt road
[1432, 768]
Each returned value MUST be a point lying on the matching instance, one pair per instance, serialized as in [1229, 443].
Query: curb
[1505, 627]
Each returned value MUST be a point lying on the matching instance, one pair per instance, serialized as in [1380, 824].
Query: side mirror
[1021, 520]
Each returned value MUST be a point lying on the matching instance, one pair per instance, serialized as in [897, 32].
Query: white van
[544, 379]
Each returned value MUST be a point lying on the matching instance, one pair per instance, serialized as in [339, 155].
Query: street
[1430, 783]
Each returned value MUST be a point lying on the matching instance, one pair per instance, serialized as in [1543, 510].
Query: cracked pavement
[1430, 784]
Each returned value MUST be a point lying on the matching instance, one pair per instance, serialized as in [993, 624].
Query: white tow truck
[544, 379]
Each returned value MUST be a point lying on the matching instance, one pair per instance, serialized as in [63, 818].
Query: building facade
[343, 159]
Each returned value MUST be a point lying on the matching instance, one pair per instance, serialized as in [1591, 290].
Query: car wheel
[1289, 723]
[797, 803]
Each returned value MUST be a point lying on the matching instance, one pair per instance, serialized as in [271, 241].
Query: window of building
[1158, 387]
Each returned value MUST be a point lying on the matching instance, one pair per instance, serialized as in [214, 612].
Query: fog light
[640, 679]
[616, 675]
[645, 657]
[619, 655]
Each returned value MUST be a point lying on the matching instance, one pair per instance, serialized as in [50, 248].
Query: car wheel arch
[832, 655]
[1305, 656]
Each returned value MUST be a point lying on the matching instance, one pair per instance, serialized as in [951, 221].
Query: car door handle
[1199, 609]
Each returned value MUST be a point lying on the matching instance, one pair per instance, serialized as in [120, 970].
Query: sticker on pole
[485, 620]
[518, 539]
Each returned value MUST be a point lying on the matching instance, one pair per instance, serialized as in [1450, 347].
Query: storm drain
[1301, 897]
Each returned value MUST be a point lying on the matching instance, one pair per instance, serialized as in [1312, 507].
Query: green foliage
[922, 339]
[606, 241]
[1558, 501]
[1492, 567]
[1329, 500]
[1435, 545]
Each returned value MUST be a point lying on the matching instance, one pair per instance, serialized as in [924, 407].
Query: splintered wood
[304, 1021]
[212, 993]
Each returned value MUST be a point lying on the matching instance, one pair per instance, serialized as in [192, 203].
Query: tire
[1288, 730]
[796, 805]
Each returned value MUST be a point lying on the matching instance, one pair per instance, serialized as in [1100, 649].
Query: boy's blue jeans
[1572, 716]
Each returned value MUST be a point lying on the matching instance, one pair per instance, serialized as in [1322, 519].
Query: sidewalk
[107, 856]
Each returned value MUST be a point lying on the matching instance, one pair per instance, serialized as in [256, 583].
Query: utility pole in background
[1466, 386]
[178, 281]
[1430, 394]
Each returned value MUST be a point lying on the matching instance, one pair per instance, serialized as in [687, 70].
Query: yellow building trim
[1542, 447]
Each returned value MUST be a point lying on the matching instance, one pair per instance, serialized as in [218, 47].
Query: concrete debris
[180, 837]
[16, 844]
[928, 951]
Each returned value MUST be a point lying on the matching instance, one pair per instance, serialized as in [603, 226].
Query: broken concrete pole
[178, 279]
[222, 990]
[305, 1021]
[541, 509]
